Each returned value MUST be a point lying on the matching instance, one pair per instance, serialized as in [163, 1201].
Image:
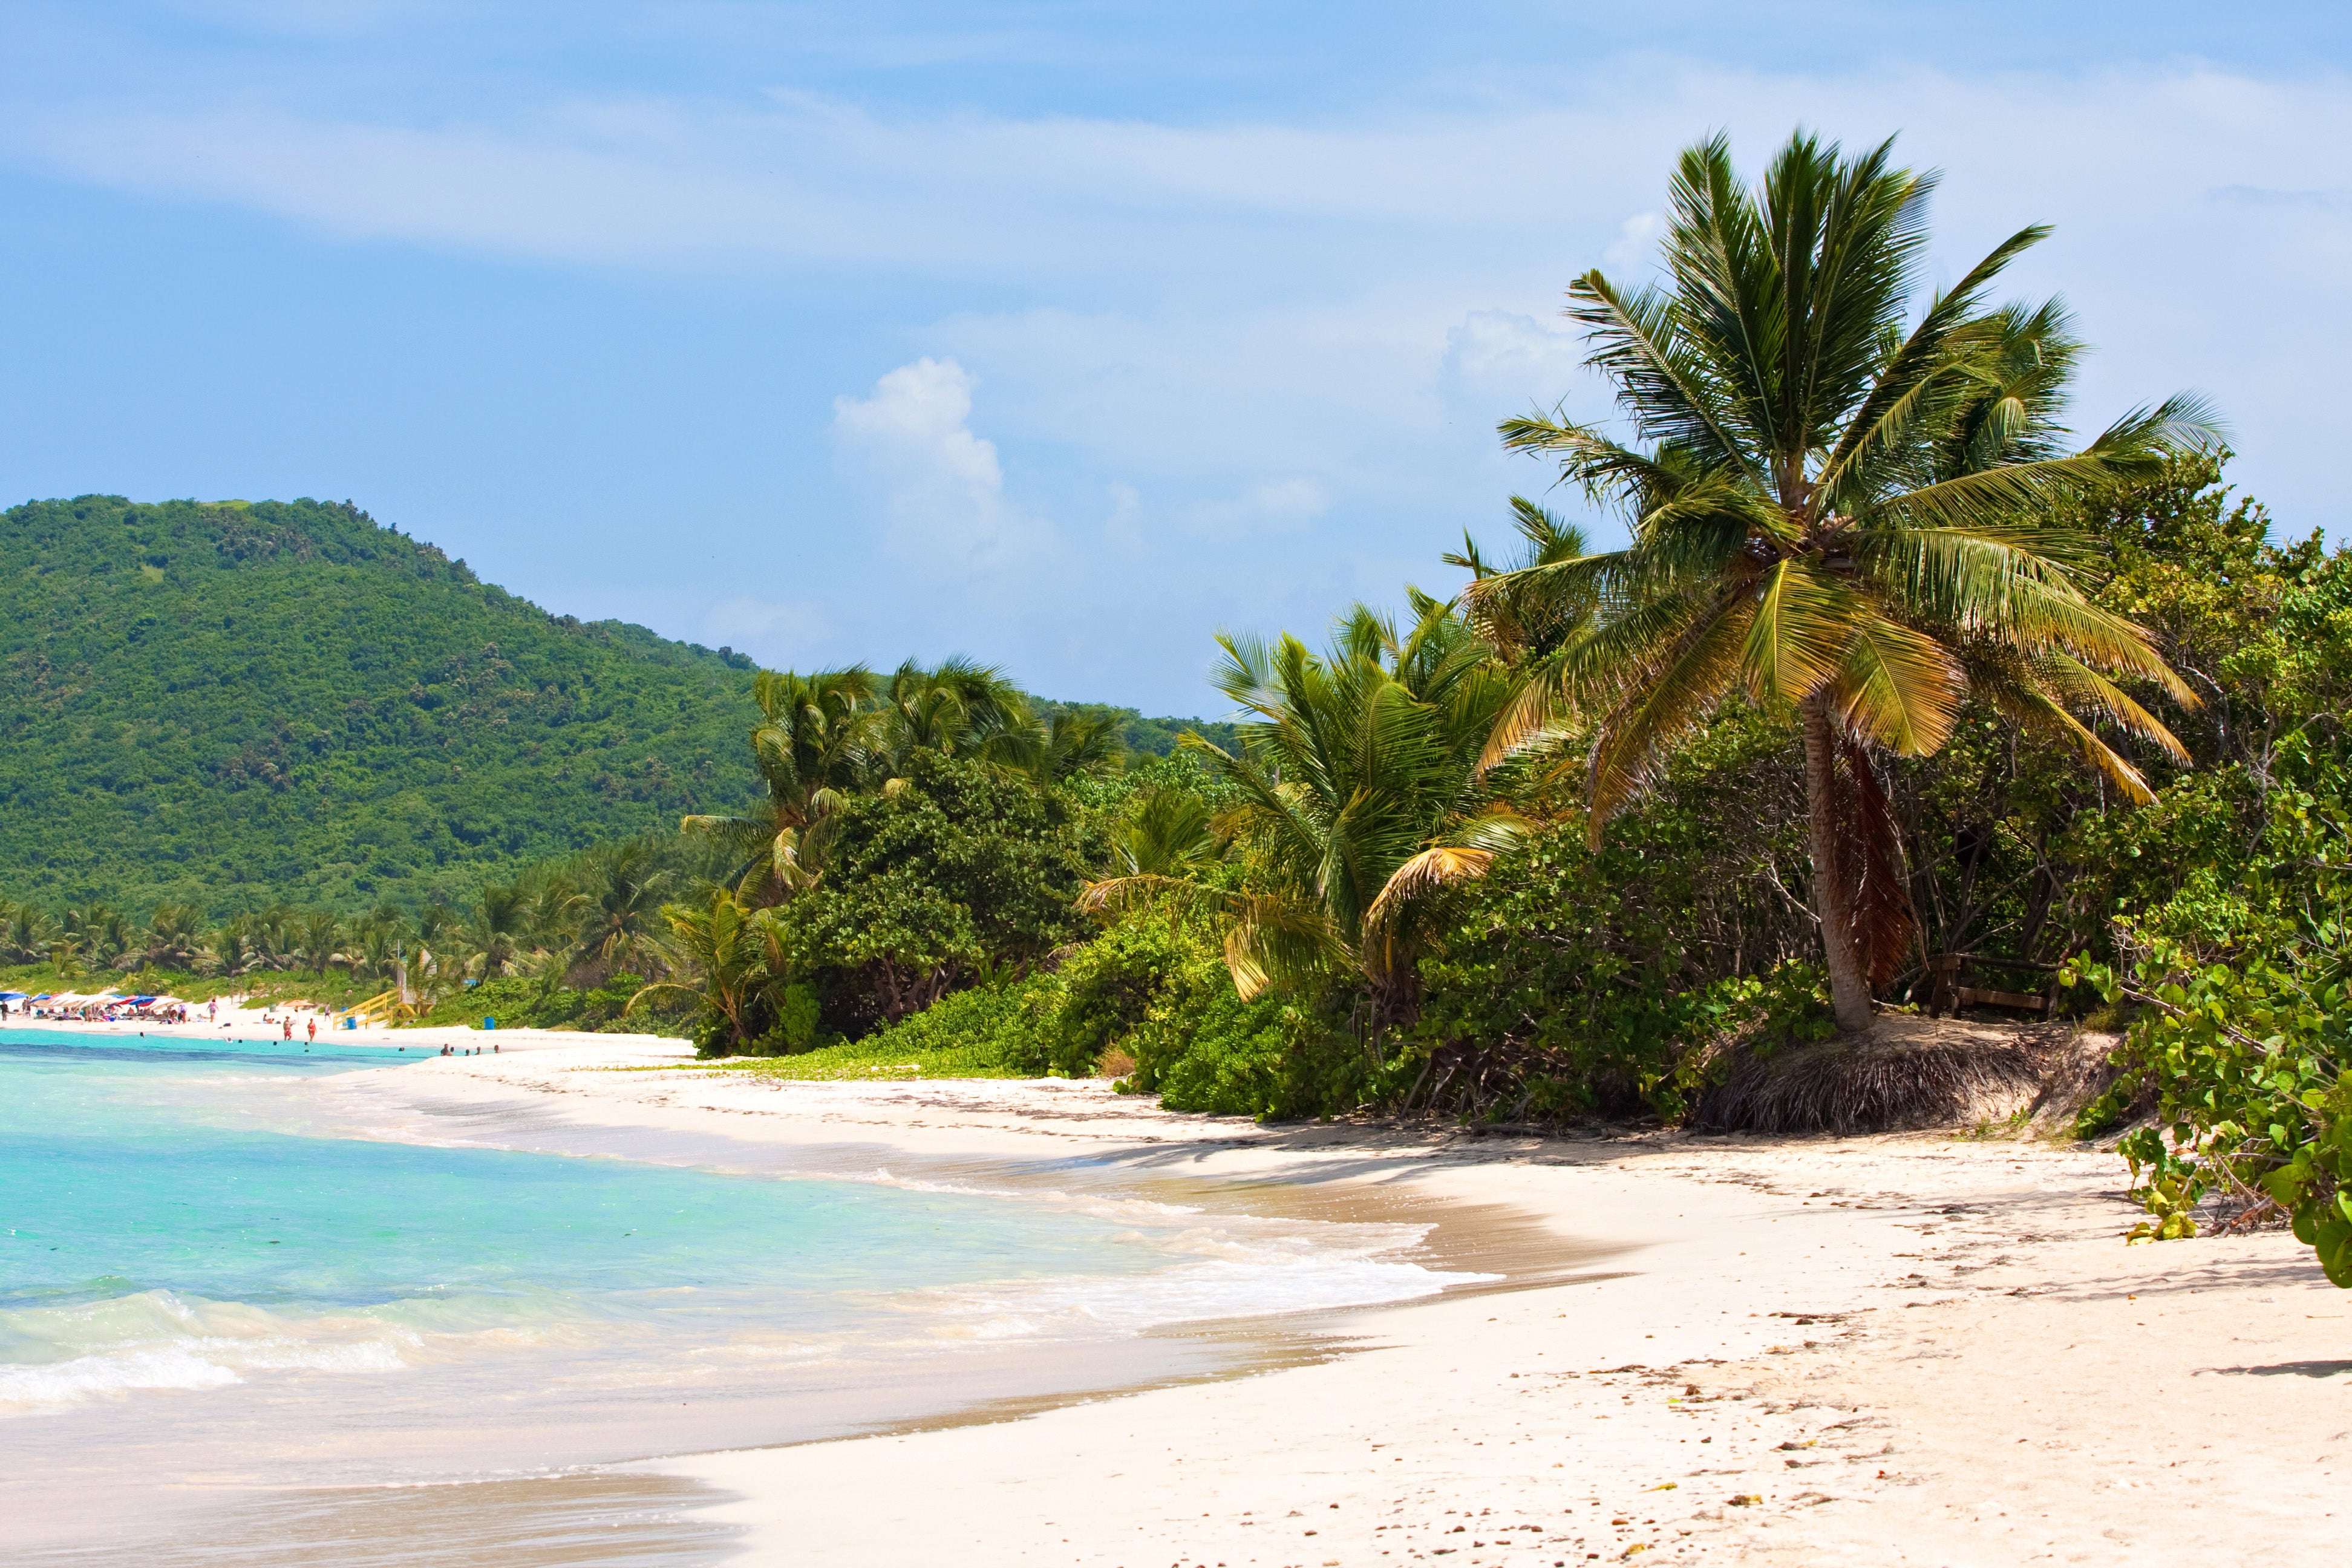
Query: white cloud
[1302, 332]
[941, 486]
[1262, 296]
[1636, 238]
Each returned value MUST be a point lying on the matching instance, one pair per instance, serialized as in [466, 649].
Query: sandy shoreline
[1914, 1349]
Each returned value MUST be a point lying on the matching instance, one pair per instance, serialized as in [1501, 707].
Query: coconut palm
[372, 949]
[318, 939]
[1066, 744]
[1169, 832]
[232, 949]
[1360, 800]
[552, 909]
[957, 709]
[1843, 508]
[176, 936]
[26, 934]
[814, 745]
[736, 951]
[495, 927]
[621, 921]
[1524, 615]
[101, 933]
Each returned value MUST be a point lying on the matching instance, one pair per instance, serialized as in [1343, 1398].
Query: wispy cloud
[775, 630]
[1116, 342]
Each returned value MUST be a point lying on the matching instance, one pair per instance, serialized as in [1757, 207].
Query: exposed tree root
[1905, 1073]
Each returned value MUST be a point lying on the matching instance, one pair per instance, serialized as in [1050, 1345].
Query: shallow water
[203, 1299]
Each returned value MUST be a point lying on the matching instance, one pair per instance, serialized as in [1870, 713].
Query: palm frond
[1797, 633]
[1898, 687]
[1683, 693]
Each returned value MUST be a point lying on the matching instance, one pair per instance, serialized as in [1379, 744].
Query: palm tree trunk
[1832, 890]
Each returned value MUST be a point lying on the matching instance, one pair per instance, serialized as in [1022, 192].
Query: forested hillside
[232, 705]
[227, 705]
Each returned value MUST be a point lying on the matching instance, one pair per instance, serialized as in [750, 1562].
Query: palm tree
[621, 909]
[957, 709]
[1360, 800]
[232, 949]
[1066, 745]
[495, 927]
[101, 934]
[552, 909]
[317, 940]
[176, 936]
[373, 950]
[1838, 512]
[814, 746]
[1168, 833]
[737, 951]
[66, 956]
[27, 935]
[275, 934]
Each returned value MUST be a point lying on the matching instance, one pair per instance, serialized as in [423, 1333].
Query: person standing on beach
[313, 1028]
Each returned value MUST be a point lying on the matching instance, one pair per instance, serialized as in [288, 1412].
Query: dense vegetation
[236, 706]
[231, 706]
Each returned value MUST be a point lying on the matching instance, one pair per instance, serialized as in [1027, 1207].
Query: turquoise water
[149, 1242]
[208, 1292]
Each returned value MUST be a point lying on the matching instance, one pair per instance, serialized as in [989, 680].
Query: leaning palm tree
[1840, 511]
[1359, 803]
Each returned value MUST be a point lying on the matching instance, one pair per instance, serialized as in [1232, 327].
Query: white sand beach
[1912, 1348]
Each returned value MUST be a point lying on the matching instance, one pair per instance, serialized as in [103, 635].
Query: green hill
[234, 703]
[231, 704]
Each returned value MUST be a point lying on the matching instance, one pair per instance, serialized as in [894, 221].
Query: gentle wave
[155, 1339]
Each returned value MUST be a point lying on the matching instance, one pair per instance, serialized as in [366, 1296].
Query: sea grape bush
[2243, 985]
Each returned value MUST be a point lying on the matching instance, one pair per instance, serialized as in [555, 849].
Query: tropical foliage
[1845, 508]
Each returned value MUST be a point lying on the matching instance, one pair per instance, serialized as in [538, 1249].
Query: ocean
[216, 1287]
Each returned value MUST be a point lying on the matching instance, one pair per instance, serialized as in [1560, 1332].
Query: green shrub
[2245, 979]
[988, 1031]
[794, 1026]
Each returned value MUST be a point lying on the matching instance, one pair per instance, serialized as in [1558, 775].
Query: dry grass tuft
[1906, 1073]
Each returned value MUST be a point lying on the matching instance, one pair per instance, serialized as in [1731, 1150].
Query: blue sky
[1060, 334]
